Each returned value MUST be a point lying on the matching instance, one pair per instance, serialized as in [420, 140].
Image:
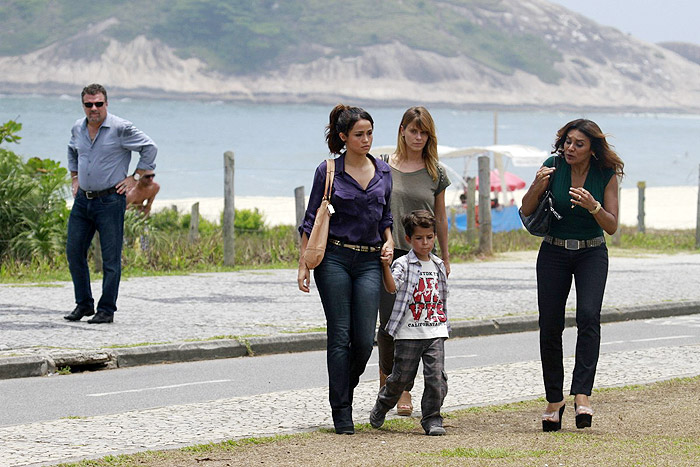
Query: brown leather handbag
[316, 246]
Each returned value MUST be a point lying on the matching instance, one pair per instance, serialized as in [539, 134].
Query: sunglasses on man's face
[149, 176]
[90, 104]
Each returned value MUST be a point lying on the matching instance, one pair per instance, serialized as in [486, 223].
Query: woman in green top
[584, 174]
[419, 182]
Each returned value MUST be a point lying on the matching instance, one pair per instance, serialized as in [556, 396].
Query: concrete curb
[41, 365]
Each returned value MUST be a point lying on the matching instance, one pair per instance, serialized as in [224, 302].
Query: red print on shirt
[426, 298]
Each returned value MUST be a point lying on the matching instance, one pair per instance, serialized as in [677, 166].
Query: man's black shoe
[78, 313]
[102, 317]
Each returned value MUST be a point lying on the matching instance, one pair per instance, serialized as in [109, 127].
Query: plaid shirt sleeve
[406, 273]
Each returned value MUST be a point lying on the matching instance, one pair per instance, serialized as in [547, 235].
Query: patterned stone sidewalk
[65, 440]
[165, 309]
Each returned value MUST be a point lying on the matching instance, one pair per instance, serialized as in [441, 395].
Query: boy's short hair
[418, 218]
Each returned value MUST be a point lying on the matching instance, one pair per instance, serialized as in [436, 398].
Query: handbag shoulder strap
[330, 175]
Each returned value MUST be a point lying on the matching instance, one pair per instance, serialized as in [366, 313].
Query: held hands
[387, 254]
[387, 259]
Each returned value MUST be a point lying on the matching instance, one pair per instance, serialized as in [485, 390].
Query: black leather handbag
[539, 222]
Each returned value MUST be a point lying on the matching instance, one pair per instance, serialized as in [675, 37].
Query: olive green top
[576, 223]
[412, 191]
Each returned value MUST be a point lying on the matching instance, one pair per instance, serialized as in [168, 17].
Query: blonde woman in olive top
[584, 175]
[419, 182]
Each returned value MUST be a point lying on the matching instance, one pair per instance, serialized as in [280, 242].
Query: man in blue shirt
[99, 153]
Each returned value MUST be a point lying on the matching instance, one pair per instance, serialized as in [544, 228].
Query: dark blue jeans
[106, 216]
[555, 268]
[348, 283]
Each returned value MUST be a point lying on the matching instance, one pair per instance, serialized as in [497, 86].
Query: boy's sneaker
[435, 430]
[376, 417]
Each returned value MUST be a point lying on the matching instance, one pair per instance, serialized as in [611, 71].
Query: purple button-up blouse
[361, 216]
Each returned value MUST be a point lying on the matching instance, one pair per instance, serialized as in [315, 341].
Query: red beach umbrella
[513, 182]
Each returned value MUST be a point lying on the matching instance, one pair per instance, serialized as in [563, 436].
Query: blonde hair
[424, 122]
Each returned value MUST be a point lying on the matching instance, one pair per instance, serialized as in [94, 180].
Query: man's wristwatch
[137, 176]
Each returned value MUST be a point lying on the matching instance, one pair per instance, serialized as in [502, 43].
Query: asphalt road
[29, 400]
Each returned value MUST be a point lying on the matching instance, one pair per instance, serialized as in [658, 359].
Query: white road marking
[158, 388]
[650, 339]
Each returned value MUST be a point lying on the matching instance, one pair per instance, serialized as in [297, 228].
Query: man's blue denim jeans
[348, 283]
[106, 216]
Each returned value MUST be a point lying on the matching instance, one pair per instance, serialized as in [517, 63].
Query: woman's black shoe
[584, 416]
[552, 421]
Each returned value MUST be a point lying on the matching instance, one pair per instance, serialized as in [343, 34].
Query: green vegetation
[251, 36]
[481, 453]
[32, 208]
[231, 445]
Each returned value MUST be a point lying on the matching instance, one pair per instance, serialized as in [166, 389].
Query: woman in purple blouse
[349, 277]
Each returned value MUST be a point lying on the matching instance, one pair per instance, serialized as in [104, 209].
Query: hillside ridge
[591, 67]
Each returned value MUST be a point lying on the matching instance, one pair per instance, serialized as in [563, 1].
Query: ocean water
[277, 147]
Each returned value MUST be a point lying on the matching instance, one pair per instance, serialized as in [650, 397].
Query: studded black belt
[571, 244]
[362, 248]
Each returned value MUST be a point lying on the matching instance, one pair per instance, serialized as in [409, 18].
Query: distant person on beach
[141, 196]
[418, 323]
[99, 153]
[349, 277]
[419, 183]
[585, 191]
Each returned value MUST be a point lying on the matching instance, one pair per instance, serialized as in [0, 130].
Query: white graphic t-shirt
[424, 318]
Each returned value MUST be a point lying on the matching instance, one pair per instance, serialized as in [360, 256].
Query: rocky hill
[684, 49]
[466, 53]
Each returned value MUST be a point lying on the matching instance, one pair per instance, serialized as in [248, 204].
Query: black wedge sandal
[551, 421]
[584, 416]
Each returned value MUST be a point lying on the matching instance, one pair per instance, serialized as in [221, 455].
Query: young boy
[418, 324]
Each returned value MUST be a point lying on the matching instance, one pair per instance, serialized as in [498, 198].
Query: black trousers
[555, 268]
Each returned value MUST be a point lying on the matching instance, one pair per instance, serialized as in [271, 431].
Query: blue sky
[649, 20]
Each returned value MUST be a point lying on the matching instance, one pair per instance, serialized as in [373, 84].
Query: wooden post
[452, 224]
[300, 208]
[471, 209]
[97, 250]
[495, 127]
[485, 233]
[640, 207]
[617, 236]
[229, 210]
[193, 235]
[697, 217]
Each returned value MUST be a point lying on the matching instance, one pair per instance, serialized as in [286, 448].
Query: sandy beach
[673, 207]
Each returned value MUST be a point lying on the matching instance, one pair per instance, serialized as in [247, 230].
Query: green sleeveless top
[576, 223]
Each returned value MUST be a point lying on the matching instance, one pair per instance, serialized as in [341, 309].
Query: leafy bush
[33, 213]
